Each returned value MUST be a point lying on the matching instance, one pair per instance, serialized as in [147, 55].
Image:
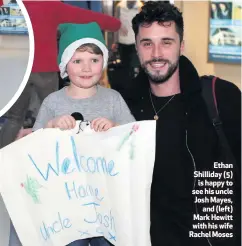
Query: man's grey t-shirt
[106, 103]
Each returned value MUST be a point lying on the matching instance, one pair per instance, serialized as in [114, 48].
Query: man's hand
[23, 132]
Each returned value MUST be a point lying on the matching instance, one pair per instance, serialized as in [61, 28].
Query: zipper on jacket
[194, 183]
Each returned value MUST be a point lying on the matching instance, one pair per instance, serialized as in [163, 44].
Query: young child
[83, 55]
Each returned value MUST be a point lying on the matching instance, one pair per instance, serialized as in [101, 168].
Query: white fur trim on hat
[70, 50]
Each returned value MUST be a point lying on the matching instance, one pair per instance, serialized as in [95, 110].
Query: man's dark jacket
[172, 221]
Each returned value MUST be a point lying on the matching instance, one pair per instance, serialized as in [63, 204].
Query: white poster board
[4, 224]
[59, 187]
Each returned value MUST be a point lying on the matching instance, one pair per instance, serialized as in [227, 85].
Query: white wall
[14, 53]
[20, 42]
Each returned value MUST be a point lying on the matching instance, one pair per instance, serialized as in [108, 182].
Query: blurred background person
[224, 11]
[214, 11]
[124, 44]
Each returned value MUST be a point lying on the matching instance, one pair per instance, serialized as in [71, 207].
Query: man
[44, 76]
[168, 89]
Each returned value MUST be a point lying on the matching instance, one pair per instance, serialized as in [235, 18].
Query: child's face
[85, 69]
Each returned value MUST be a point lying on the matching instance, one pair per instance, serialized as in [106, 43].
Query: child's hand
[64, 122]
[102, 124]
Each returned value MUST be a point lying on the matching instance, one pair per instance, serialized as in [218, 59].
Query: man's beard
[160, 78]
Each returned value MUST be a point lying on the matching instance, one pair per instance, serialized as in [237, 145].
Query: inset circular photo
[16, 59]
[16, 52]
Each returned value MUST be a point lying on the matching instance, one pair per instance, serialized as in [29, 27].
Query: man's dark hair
[161, 12]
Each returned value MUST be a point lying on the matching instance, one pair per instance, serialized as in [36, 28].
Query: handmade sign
[59, 187]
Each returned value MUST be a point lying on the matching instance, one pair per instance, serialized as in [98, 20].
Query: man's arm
[72, 14]
[23, 132]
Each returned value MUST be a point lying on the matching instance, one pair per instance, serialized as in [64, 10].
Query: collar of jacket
[190, 83]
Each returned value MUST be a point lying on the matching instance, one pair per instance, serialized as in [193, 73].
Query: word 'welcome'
[75, 163]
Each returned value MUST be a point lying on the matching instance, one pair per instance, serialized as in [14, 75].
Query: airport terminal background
[196, 19]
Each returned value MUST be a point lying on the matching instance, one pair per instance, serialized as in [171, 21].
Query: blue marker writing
[75, 163]
[55, 227]
[81, 191]
[105, 219]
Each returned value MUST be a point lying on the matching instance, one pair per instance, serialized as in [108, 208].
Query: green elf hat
[75, 35]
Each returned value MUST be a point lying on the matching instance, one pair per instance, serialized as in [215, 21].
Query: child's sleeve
[122, 114]
[45, 114]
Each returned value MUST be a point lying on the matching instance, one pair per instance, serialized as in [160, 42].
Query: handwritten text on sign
[80, 186]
